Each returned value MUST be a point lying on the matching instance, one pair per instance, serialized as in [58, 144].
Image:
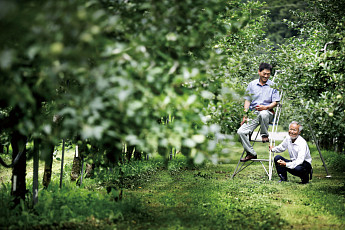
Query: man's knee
[264, 114]
[300, 169]
[241, 131]
[276, 158]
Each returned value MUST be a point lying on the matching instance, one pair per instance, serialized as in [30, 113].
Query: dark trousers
[300, 170]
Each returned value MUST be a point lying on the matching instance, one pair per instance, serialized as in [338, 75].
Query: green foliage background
[160, 75]
[313, 78]
[279, 13]
[108, 72]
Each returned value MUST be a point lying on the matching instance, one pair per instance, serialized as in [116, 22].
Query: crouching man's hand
[281, 163]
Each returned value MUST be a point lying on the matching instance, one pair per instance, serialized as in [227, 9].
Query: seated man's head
[295, 129]
[265, 70]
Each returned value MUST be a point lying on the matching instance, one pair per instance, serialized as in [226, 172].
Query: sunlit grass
[5, 173]
[202, 197]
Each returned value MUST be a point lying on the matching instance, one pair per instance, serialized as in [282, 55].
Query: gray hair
[296, 123]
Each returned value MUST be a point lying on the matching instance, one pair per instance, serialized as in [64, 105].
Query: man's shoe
[305, 178]
[265, 139]
[304, 181]
[249, 157]
[282, 178]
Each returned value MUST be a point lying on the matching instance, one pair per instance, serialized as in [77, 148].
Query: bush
[336, 161]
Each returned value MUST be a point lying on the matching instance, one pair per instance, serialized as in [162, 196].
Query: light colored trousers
[263, 118]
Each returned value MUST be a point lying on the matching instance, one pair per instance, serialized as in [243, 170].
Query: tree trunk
[326, 143]
[89, 171]
[62, 161]
[18, 142]
[341, 146]
[47, 152]
[133, 150]
[76, 168]
[35, 173]
[129, 152]
[137, 155]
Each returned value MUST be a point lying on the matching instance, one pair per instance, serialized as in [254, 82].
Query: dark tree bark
[89, 170]
[47, 152]
[35, 172]
[129, 152]
[76, 168]
[18, 142]
[136, 154]
[341, 144]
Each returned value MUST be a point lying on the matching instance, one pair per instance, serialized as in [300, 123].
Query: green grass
[180, 197]
[5, 173]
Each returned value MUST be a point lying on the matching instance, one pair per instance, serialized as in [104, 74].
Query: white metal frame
[270, 160]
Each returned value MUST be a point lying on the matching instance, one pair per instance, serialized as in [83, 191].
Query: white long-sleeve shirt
[298, 151]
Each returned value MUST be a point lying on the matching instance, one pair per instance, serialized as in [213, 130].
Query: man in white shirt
[300, 159]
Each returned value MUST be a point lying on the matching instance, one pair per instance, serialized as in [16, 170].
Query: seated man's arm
[272, 105]
[266, 107]
[246, 105]
[246, 108]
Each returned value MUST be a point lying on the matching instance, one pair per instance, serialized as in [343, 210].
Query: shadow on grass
[200, 199]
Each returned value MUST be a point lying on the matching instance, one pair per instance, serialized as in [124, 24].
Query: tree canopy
[108, 72]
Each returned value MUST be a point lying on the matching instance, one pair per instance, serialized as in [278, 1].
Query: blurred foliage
[107, 72]
[64, 208]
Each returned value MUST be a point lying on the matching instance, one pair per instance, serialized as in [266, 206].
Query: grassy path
[206, 198]
[199, 198]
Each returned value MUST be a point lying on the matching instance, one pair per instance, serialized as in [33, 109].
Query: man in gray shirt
[261, 99]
